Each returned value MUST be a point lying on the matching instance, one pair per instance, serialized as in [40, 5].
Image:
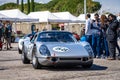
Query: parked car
[56, 48]
[20, 42]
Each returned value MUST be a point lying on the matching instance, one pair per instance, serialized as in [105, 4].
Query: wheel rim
[34, 60]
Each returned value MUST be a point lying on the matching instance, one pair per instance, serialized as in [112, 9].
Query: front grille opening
[70, 58]
[54, 59]
[84, 59]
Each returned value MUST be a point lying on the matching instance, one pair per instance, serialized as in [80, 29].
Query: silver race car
[56, 48]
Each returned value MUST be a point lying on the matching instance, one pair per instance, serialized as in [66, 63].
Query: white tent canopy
[3, 17]
[67, 16]
[82, 16]
[17, 15]
[46, 16]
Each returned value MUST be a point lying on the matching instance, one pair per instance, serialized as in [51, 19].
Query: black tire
[20, 51]
[35, 63]
[24, 58]
[87, 65]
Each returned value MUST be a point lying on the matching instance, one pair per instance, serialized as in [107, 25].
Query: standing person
[118, 18]
[104, 44]
[1, 26]
[96, 36]
[88, 33]
[112, 36]
[33, 28]
[118, 34]
[8, 32]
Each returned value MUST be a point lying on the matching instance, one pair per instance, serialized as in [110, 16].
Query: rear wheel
[24, 58]
[35, 63]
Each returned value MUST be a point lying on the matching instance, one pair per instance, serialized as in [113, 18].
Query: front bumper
[64, 61]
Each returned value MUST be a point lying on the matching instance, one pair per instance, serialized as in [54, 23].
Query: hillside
[75, 7]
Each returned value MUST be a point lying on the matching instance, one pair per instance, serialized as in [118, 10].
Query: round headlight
[44, 50]
[89, 50]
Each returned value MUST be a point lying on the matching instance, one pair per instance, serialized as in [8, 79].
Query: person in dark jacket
[112, 36]
[7, 34]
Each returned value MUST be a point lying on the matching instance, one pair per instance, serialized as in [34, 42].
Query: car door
[30, 47]
[26, 42]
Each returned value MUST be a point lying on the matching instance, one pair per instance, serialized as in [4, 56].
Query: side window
[33, 38]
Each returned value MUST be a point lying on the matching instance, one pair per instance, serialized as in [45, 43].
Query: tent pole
[68, 27]
[15, 29]
[47, 26]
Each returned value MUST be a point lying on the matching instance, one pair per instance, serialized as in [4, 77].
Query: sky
[107, 5]
[112, 6]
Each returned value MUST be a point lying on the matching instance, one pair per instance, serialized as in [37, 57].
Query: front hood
[66, 49]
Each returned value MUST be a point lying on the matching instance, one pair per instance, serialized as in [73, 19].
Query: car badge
[60, 49]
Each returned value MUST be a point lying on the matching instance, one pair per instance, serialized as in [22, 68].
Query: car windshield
[55, 37]
[28, 35]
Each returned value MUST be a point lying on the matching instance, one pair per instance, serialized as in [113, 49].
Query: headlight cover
[89, 50]
[44, 50]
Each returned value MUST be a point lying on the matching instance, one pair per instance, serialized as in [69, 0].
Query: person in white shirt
[118, 18]
[88, 31]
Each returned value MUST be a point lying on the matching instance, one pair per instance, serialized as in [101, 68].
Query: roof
[46, 16]
[67, 16]
[17, 15]
[3, 17]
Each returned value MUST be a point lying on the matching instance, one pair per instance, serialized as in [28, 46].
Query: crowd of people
[102, 34]
[5, 34]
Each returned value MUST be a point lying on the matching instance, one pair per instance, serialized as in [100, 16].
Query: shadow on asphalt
[3, 68]
[13, 49]
[9, 60]
[77, 68]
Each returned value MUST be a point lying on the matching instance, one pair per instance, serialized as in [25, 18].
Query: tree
[73, 6]
[28, 6]
[32, 6]
[22, 6]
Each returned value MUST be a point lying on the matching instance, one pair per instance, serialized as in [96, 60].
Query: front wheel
[35, 63]
[87, 65]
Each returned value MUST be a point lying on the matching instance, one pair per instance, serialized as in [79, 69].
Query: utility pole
[85, 7]
[17, 2]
